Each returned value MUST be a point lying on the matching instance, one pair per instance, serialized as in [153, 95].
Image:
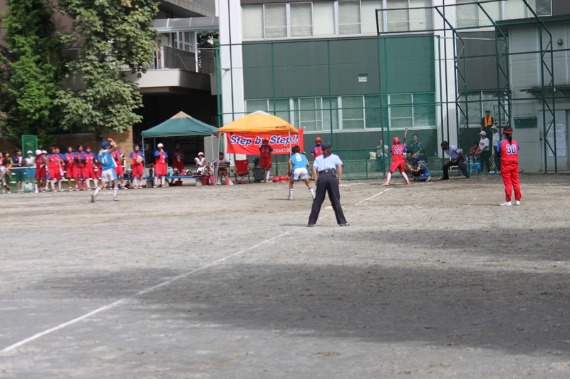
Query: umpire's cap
[326, 145]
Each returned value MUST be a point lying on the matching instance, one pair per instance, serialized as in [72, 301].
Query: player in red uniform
[41, 170]
[69, 161]
[265, 157]
[91, 168]
[317, 150]
[508, 150]
[178, 160]
[118, 156]
[160, 166]
[399, 151]
[137, 167]
[54, 169]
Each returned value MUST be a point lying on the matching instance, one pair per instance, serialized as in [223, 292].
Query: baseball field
[431, 280]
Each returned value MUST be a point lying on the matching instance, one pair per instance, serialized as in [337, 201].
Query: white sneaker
[506, 204]
[518, 202]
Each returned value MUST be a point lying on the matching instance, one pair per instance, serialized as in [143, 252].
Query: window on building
[373, 112]
[368, 12]
[309, 114]
[514, 9]
[275, 20]
[323, 18]
[252, 21]
[183, 41]
[301, 20]
[400, 111]
[470, 15]
[352, 112]
[348, 17]
[407, 15]
[411, 110]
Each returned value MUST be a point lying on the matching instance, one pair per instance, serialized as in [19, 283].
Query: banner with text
[249, 143]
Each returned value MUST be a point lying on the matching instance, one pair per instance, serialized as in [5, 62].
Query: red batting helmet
[396, 140]
[318, 139]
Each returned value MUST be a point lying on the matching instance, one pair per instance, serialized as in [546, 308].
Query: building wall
[525, 75]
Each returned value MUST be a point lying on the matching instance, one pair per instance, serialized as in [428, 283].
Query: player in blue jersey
[108, 173]
[298, 171]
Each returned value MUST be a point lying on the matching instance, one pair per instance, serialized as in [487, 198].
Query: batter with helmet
[399, 151]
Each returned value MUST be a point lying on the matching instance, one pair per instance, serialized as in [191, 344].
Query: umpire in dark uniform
[327, 172]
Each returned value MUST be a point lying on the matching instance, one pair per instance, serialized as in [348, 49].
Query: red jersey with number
[398, 153]
[509, 152]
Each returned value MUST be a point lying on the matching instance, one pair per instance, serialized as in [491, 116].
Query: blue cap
[105, 144]
[326, 145]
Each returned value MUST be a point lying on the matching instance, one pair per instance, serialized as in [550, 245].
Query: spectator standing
[317, 150]
[417, 148]
[265, 151]
[5, 165]
[119, 158]
[160, 166]
[496, 158]
[69, 162]
[30, 163]
[54, 169]
[456, 159]
[91, 168]
[327, 172]
[484, 151]
[41, 170]
[137, 166]
[178, 160]
[487, 122]
[508, 150]
[297, 165]
[19, 169]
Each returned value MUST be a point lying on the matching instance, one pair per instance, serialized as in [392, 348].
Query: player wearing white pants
[108, 174]
[298, 171]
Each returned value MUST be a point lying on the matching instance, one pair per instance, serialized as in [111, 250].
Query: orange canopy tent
[259, 122]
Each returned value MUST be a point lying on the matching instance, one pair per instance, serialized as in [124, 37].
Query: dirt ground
[431, 280]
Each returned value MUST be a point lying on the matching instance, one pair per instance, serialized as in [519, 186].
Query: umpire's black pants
[327, 183]
[461, 164]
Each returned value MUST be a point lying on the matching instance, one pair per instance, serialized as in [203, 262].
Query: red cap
[396, 140]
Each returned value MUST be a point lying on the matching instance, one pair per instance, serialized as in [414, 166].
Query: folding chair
[242, 171]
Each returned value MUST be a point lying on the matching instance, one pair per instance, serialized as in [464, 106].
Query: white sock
[97, 190]
[115, 193]
[406, 177]
[290, 193]
[312, 191]
[266, 176]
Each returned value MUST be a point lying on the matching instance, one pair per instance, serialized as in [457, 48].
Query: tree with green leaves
[114, 40]
[29, 71]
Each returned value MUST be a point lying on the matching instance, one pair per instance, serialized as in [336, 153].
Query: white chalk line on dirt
[373, 196]
[140, 293]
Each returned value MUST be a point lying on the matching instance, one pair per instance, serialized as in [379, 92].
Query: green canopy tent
[178, 125]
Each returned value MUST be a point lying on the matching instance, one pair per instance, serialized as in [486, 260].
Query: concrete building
[355, 71]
